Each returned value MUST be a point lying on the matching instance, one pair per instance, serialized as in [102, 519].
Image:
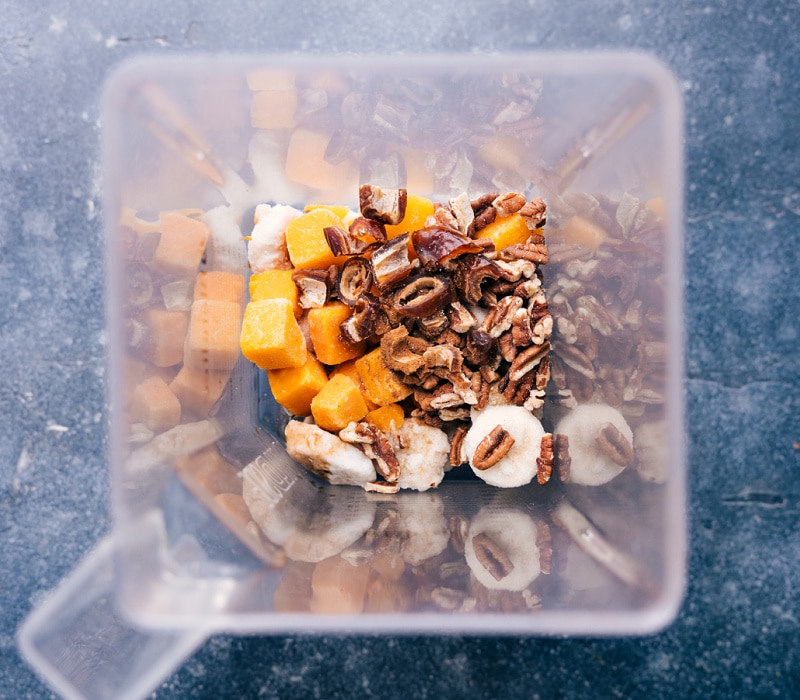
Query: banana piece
[328, 456]
[267, 249]
[424, 531]
[518, 466]
[423, 455]
[593, 462]
[501, 550]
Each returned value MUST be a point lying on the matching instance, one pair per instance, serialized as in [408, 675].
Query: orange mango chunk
[275, 284]
[181, 246]
[199, 389]
[167, 332]
[323, 326]
[219, 286]
[155, 405]
[305, 240]
[295, 387]
[338, 403]
[213, 338]
[506, 231]
[387, 418]
[349, 369]
[271, 336]
[417, 210]
[338, 587]
[339, 209]
[382, 384]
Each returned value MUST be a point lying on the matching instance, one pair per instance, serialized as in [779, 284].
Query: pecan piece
[534, 249]
[508, 203]
[544, 543]
[544, 462]
[491, 556]
[483, 218]
[534, 213]
[385, 205]
[313, 286]
[615, 445]
[457, 456]
[526, 360]
[492, 448]
[500, 318]
[375, 446]
[461, 320]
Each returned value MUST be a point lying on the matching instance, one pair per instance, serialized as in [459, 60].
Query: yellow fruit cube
[323, 327]
[155, 405]
[199, 389]
[271, 337]
[181, 245]
[382, 384]
[275, 284]
[349, 369]
[417, 210]
[506, 231]
[338, 403]
[295, 387]
[387, 418]
[305, 240]
[219, 286]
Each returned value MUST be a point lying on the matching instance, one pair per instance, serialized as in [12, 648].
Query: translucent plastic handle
[78, 643]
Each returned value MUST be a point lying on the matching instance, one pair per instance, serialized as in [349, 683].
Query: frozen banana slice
[267, 249]
[600, 443]
[501, 549]
[516, 443]
[423, 455]
[327, 455]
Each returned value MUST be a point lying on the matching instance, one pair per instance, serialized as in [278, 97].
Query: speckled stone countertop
[738, 64]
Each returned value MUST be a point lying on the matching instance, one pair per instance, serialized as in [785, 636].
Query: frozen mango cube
[306, 164]
[506, 231]
[338, 403]
[295, 387]
[382, 384]
[387, 418]
[271, 336]
[323, 327]
[305, 240]
[275, 284]
[348, 368]
[213, 338]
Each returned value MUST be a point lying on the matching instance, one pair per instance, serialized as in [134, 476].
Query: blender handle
[84, 649]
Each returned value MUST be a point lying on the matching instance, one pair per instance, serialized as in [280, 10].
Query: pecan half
[544, 462]
[508, 203]
[615, 445]
[544, 543]
[385, 205]
[500, 318]
[526, 360]
[461, 320]
[534, 250]
[492, 448]
[313, 287]
[492, 556]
